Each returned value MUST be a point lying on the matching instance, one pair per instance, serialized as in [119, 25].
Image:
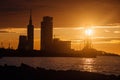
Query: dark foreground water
[105, 65]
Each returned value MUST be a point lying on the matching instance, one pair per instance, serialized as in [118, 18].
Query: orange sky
[66, 13]
[69, 17]
[104, 38]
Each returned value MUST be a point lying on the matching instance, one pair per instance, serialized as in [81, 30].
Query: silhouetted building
[46, 33]
[48, 44]
[27, 42]
[30, 34]
[61, 46]
[22, 43]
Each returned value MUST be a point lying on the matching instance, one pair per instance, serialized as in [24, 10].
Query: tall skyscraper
[46, 33]
[30, 34]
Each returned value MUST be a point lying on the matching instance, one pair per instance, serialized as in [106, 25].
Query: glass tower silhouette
[46, 33]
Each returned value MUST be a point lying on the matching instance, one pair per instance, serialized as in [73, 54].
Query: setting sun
[88, 32]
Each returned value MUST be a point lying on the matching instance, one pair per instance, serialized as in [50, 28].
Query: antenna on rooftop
[9, 46]
[2, 45]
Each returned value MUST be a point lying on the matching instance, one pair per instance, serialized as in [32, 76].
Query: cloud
[107, 31]
[107, 27]
[66, 12]
[117, 32]
[43, 3]
[4, 32]
[106, 38]
[20, 5]
[7, 31]
[100, 40]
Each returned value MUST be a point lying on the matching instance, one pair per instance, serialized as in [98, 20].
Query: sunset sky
[70, 17]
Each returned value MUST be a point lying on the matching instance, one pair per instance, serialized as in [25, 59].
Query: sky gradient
[103, 38]
[70, 17]
[66, 13]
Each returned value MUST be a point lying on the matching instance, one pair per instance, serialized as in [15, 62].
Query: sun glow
[88, 32]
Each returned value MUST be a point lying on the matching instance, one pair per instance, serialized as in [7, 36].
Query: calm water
[106, 65]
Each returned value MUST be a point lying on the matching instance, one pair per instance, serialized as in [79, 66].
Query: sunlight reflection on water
[88, 65]
[106, 65]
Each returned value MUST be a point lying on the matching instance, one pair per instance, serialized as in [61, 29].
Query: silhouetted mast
[2, 45]
[9, 46]
[30, 21]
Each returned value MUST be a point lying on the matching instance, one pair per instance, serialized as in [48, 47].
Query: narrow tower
[46, 33]
[30, 34]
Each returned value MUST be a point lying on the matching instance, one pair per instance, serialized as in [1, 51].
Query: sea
[102, 64]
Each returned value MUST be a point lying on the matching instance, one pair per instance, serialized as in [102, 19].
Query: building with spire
[30, 34]
[27, 42]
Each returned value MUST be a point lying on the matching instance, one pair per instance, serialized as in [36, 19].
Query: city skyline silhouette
[60, 40]
[70, 18]
[52, 46]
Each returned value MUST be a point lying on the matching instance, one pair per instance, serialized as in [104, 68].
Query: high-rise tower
[30, 34]
[46, 33]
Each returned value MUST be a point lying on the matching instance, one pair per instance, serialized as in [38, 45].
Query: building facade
[22, 42]
[48, 44]
[46, 33]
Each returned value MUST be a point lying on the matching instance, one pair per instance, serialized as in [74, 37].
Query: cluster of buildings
[27, 42]
[48, 43]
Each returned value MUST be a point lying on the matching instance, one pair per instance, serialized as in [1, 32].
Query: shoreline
[90, 53]
[25, 72]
